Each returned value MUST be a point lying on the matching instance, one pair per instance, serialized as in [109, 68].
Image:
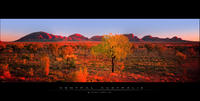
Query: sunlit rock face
[96, 38]
[41, 36]
[131, 37]
[157, 39]
[44, 36]
[175, 39]
[150, 38]
[77, 37]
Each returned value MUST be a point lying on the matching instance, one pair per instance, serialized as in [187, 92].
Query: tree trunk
[113, 58]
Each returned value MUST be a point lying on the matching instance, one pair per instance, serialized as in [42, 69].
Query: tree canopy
[116, 47]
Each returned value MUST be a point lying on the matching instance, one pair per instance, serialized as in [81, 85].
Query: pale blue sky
[188, 29]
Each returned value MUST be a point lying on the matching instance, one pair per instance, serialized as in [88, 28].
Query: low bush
[5, 70]
[45, 63]
[180, 57]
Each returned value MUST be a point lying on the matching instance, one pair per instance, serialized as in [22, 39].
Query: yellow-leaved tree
[116, 47]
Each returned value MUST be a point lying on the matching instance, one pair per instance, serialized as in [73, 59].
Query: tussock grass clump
[45, 63]
[54, 49]
[5, 70]
[180, 57]
[31, 72]
[67, 52]
[80, 75]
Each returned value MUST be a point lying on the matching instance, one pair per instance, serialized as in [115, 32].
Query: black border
[58, 89]
[150, 89]
[132, 10]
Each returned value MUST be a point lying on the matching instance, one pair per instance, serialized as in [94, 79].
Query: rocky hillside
[44, 36]
[41, 36]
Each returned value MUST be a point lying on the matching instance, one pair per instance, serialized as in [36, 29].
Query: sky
[187, 29]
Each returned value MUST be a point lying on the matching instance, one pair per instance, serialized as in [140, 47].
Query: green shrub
[70, 63]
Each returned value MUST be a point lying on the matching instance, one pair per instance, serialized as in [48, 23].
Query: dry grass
[45, 62]
[158, 65]
[5, 70]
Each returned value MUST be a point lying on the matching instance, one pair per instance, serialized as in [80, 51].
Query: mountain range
[44, 36]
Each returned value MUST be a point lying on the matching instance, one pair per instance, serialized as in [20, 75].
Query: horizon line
[100, 35]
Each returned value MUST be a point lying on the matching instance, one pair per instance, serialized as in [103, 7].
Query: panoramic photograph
[99, 50]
